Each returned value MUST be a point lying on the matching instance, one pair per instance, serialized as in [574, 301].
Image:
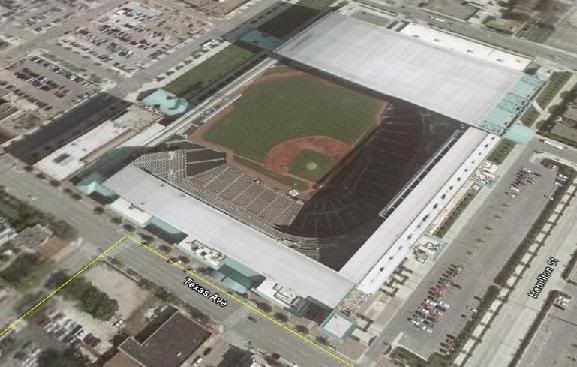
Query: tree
[146, 238]
[205, 270]
[128, 227]
[63, 230]
[56, 279]
[273, 359]
[69, 358]
[116, 220]
[264, 306]
[20, 268]
[281, 317]
[302, 329]
[90, 299]
[164, 295]
[98, 210]
[164, 248]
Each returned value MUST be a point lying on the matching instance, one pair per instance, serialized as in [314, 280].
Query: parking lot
[42, 15]
[46, 85]
[479, 252]
[35, 89]
[132, 37]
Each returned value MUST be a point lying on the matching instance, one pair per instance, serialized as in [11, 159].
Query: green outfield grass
[211, 70]
[311, 165]
[274, 111]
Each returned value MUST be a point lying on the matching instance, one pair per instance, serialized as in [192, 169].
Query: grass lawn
[456, 213]
[285, 180]
[211, 70]
[274, 111]
[311, 165]
[529, 117]
[556, 81]
[501, 151]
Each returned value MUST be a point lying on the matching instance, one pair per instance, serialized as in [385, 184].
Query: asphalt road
[9, 56]
[231, 27]
[481, 247]
[502, 339]
[513, 320]
[482, 34]
[555, 344]
[98, 233]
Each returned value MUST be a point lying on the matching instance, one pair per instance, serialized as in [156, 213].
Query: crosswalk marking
[235, 339]
[235, 317]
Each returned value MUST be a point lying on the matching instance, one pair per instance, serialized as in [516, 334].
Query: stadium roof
[453, 84]
[379, 252]
[272, 259]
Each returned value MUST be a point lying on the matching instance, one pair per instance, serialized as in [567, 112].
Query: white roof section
[385, 266]
[338, 325]
[463, 46]
[383, 250]
[453, 84]
[276, 293]
[215, 229]
[131, 211]
[145, 136]
[70, 158]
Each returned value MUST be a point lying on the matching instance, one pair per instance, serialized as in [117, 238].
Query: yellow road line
[153, 250]
[245, 304]
[86, 266]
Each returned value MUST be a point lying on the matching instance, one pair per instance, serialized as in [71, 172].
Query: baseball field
[294, 124]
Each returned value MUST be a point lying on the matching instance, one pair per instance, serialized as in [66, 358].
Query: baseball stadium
[319, 176]
[319, 158]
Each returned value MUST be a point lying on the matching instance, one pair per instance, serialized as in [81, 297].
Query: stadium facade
[193, 190]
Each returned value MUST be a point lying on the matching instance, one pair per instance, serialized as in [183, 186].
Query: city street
[504, 41]
[513, 321]
[98, 233]
[555, 344]
[482, 247]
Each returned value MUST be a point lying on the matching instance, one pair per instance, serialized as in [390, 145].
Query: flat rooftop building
[218, 230]
[169, 346]
[452, 83]
[474, 97]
